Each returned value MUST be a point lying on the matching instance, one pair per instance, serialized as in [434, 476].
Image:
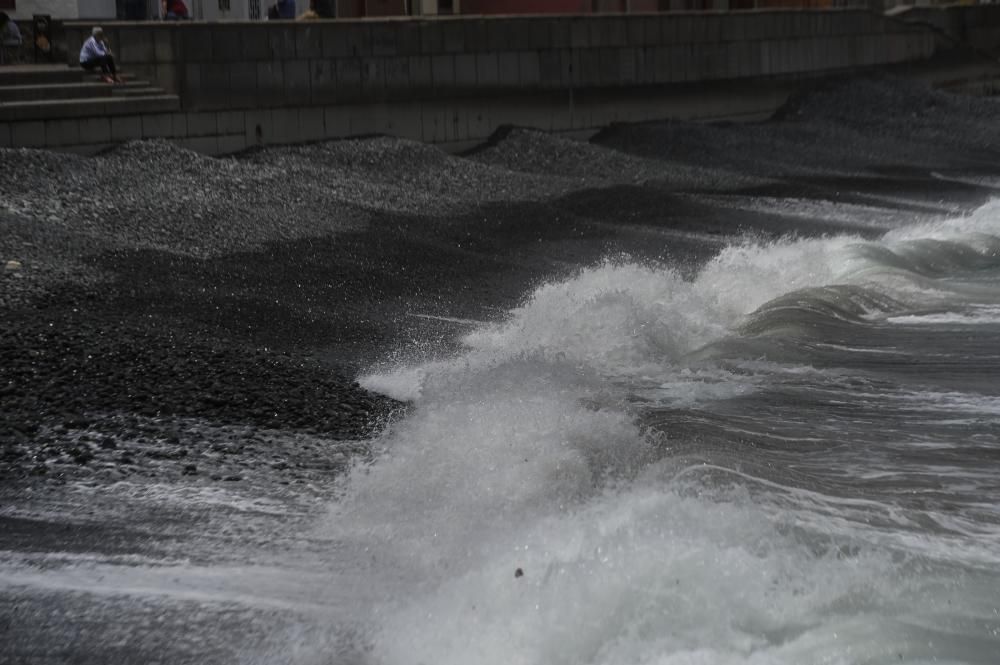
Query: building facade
[252, 10]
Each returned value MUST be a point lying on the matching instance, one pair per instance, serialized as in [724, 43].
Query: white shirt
[92, 49]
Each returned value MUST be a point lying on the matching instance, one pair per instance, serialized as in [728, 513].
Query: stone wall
[55, 8]
[456, 80]
[215, 66]
[977, 26]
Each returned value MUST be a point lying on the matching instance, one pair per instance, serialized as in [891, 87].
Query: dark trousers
[105, 62]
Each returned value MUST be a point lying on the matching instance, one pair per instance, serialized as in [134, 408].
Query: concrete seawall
[454, 81]
[977, 26]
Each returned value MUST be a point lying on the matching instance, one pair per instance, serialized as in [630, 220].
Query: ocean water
[792, 457]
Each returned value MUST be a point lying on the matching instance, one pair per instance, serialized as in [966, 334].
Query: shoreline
[237, 352]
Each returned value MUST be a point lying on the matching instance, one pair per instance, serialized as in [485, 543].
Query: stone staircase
[56, 92]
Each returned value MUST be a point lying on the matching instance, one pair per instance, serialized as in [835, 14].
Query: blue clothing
[10, 36]
[92, 50]
[286, 8]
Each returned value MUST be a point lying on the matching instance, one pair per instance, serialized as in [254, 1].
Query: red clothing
[177, 8]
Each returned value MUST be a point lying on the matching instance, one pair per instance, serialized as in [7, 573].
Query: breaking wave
[624, 470]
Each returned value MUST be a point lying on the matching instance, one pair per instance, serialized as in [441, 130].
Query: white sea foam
[523, 453]
[644, 576]
[809, 210]
[254, 586]
[982, 225]
[953, 402]
[689, 387]
[972, 316]
[625, 319]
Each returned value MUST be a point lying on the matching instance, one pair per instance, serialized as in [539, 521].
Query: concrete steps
[57, 109]
[56, 92]
[39, 75]
[53, 91]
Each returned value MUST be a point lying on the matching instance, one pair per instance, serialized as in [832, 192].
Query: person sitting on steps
[96, 53]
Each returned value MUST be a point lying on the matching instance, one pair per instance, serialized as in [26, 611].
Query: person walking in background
[96, 53]
[175, 10]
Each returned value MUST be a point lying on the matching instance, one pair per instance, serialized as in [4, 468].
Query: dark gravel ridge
[842, 126]
[83, 388]
[545, 154]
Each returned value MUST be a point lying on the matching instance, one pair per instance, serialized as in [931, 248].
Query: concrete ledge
[83, 108]
[53, 91]
[37, 74]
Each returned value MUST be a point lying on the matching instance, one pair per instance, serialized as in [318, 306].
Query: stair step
[87, 107]
[145, 90]
[123, 76]
[65, 75]
[39, 74]
[28, 93]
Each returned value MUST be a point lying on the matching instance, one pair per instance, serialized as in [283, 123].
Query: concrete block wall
[455, 80]
[215, 66]
[977, 26]
[55, 8]
[458, 123]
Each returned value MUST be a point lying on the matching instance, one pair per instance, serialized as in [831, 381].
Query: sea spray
[536, 507]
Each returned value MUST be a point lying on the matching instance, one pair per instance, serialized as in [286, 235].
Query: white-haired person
[96, 53]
